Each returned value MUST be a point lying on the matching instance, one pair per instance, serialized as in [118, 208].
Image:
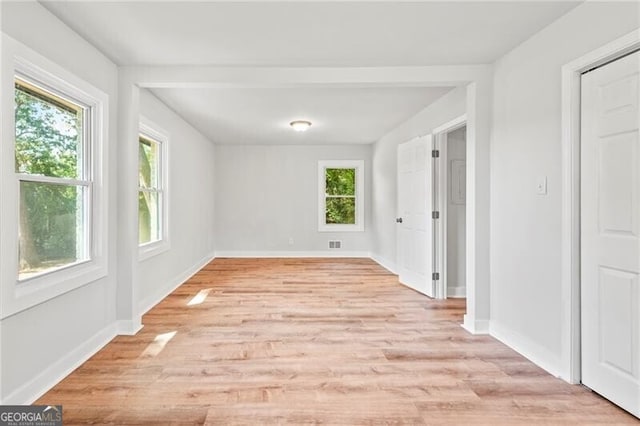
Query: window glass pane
[48, 133]
[340, 181]
[341, 211]
[149, 163]
[52, 228]
[149, 216]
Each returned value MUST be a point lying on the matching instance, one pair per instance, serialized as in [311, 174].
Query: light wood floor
[314, 341]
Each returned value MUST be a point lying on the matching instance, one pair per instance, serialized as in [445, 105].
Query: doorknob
[399, 220]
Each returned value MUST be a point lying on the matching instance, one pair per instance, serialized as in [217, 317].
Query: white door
[610, 252]
[415, 233]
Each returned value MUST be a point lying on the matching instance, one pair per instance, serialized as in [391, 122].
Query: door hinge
[435, 276]
[435, 215]
[435, 153]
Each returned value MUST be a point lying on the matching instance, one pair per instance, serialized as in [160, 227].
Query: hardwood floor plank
[314, 341]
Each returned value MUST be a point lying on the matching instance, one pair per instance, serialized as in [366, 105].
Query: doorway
[450, 203]
[432, 212]
[454, 172]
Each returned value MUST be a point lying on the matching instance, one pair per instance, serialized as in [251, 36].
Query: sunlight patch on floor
[200, 297]
[158, 344]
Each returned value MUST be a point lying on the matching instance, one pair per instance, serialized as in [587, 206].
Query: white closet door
[610, 252]
[415, 233]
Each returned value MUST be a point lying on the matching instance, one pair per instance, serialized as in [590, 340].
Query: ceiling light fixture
[300, 125]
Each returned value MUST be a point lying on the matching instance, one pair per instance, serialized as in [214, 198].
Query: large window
[341, 192]
[54, 173]
[152, 227]
[55, 181]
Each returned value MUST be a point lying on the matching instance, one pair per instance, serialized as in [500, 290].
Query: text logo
[30, 415]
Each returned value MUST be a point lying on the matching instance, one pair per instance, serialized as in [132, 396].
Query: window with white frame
[341, 195]
[54, 238]
[54, 170]
[152, 225]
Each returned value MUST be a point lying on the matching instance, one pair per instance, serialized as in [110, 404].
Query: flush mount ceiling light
[300, 125]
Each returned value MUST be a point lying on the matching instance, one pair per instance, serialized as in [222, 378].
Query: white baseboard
[129, 327]
[285, 254]
[385, 263]
[475, 326]
[456, 291]
[535, 353]
[53, 374]
[146, 304]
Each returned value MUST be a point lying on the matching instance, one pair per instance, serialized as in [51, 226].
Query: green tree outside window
[48, 144]
[340, 196]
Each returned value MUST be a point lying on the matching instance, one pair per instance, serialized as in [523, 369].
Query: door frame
[570, 225]
[440, 191]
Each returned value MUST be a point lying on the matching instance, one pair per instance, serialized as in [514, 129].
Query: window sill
[149, 250]
[341, 228]
[46, 286]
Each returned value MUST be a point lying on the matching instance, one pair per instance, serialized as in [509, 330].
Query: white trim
[54, 373]
[148, 303]
[475, 327]
[3, 206]
[128, 327]
[440, 135]
[452, 125]
[17, 59]
[25, 177]
[149, 250]
[570, 281]
[456, 291]
[358, 165]
[292, 254]
[526, 347]
[441, 189]
[385, 263]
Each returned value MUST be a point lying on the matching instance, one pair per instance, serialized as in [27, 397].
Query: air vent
[335, 244]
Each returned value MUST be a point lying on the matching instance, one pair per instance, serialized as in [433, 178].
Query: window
[341, 193]
[55, 215]
[54, 173]
[152, 227]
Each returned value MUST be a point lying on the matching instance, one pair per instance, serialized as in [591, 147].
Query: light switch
[541, 185]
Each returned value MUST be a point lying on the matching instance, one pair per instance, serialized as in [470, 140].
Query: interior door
[610, 243]
[415, 233]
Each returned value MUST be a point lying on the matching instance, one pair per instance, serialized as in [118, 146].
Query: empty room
[319, 212]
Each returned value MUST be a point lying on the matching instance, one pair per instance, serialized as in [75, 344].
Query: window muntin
[52, 166]
[341, 192]
[150, 190]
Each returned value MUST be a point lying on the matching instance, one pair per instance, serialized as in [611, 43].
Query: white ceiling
[304, 34]
[262, 116]
[292, 33]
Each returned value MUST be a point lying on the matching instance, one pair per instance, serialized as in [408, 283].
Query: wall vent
[335, 244]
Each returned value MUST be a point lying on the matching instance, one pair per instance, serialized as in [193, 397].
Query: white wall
[384, 160]
[190, 203]
[266, 195]
[38, 344]
[456, 218]
[525, 227]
